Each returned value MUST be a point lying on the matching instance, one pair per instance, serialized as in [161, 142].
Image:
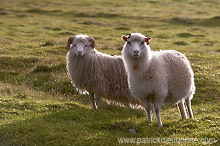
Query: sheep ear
[125, 38]
[92, 41]
[147, 39]
[70, 41]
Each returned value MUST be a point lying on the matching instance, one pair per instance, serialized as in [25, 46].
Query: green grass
[39, 106]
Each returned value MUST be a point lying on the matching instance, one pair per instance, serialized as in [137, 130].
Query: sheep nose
[79, 53]
[136, 52]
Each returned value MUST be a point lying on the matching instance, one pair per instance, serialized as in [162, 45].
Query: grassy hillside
[39, 106]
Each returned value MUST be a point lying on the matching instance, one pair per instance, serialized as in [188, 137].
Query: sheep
[156, 77]
[99, 74]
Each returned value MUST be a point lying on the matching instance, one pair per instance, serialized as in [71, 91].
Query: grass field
[39, 106]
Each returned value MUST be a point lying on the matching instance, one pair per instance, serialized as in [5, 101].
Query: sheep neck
[143, 62]
[78, 63]
[79, 68]
[136, 67]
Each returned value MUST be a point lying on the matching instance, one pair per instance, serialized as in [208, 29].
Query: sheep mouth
[136, 55]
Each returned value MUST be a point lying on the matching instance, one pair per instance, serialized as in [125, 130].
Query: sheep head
[135, 44]
[146, 39]
[81, 44]
[72, 38]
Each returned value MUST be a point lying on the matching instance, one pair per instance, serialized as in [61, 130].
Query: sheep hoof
[99, 106]
[93, 107]
[160, 125]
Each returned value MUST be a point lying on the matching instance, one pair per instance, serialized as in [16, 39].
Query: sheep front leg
[98, 101]
[188, 104]
[158, 102]
[91, 95]
[182, 109]
[157, 111]
[147, 109]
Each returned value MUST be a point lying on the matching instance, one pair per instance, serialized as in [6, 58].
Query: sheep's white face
[80, 47]
[135, 48]
[135, 44]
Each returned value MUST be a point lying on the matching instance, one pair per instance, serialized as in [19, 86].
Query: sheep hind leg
[157, 111]
[91, 95]
[188, 105]
[98, 101]
[182, 109]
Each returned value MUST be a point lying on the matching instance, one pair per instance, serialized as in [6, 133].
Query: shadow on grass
[67, 123]
[79, 125]
[43, 128]
[188, 35]
[209, 22]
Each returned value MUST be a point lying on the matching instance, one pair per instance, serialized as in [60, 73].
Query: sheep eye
[86, 46]
[129, 43]
[142, 43]
[74, 45]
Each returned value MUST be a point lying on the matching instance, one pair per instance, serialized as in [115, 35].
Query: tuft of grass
[48, 43]
[182, 43]
[122, 28]
[185, 35]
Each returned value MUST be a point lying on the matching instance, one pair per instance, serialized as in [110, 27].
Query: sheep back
[180, 77]
[168, 74]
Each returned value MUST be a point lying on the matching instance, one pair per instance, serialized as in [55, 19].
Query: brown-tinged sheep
[99, 74]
